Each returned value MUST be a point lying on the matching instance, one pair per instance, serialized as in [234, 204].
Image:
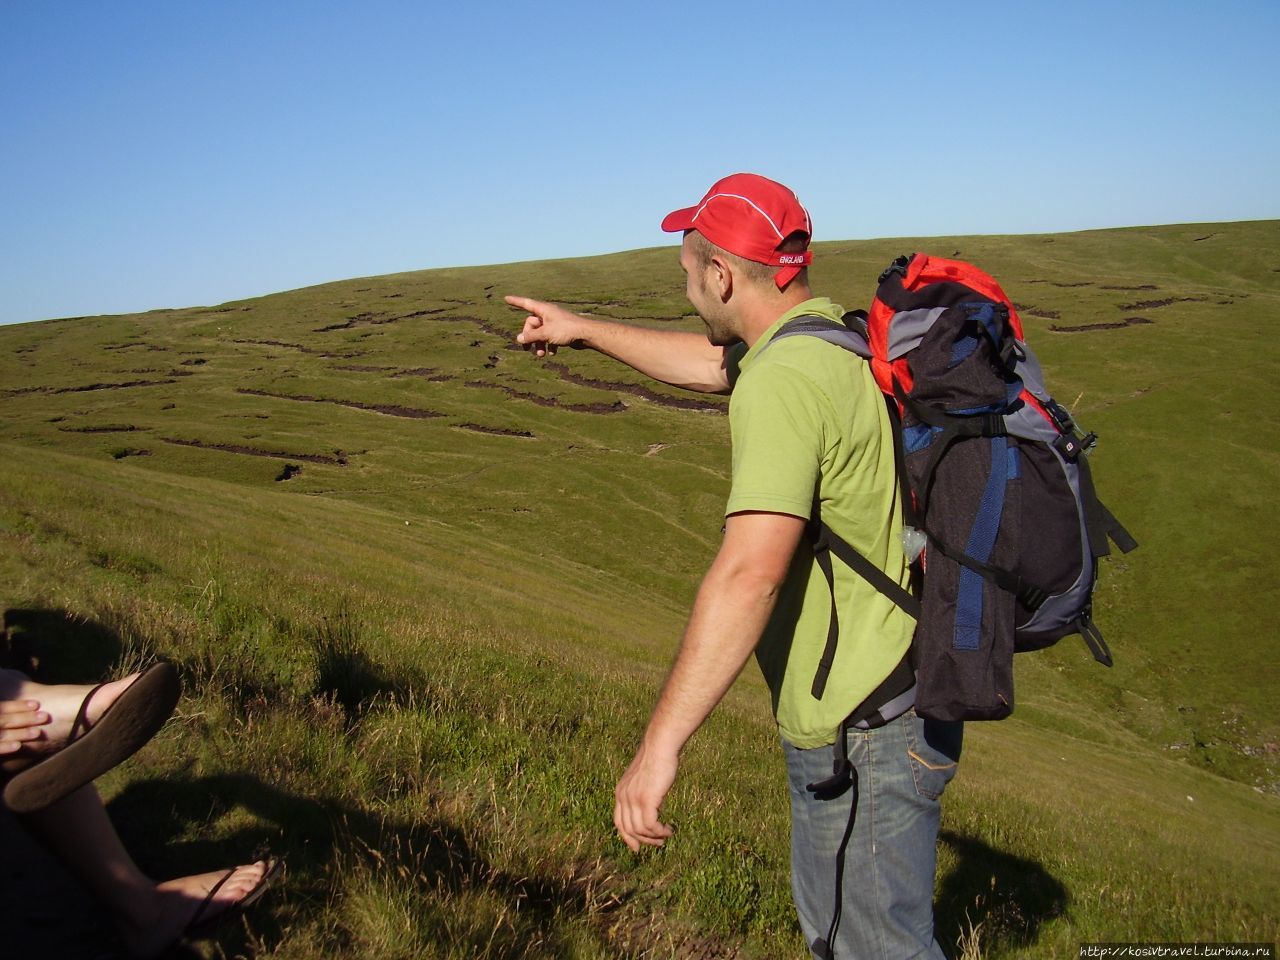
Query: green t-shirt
[809, 423]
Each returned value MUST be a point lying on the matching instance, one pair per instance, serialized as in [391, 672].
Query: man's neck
[763, 314]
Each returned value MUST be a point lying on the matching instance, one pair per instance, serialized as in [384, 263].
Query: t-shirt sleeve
[776, 424]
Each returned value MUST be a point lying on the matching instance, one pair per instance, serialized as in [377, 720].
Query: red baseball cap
[750, 215]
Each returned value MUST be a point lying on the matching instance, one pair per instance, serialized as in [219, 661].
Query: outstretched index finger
[525, 303]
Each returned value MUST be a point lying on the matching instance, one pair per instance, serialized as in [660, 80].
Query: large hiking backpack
[994, 476]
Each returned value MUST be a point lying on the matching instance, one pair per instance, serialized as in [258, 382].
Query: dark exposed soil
[279, 343]
[389, 409]
[1152, 304]
[1065, 286]
[616, 407]
[379, 318]
[426, 373]
[135, 343]
[635, 389]
[493, 331]
[195, 362]
[1126, 322]
[257, 451]
[104, 428]
[299, 347]
[1140, 286]
[593, 303]
[496, 431]
[290, 471]
[105, 386]
[1033, 311]
[129, 452]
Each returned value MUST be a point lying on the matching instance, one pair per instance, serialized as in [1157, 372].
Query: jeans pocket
[933, 752]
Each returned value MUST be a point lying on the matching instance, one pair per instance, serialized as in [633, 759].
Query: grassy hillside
[423, 588]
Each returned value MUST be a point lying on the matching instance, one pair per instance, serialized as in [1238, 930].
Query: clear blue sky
[176, 153]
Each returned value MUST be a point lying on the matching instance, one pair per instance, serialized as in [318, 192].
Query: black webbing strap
[825, 543]
[831, 541]
[1028, 594]
[1004, 349]
[1093, 639]
[822, 948]
[822, 557]
[1101, 522]
[910, 513]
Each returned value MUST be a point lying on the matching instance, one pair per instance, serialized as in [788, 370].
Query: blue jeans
[890, 861]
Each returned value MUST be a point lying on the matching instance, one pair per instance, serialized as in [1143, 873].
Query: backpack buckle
[1069, 447]
[1061, 419]
[1072, 447]
[833, 786]
[1032, 598]
[898, 266]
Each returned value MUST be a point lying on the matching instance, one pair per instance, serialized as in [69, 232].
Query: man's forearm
[686, 360]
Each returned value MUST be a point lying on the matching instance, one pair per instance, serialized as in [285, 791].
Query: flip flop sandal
[201, 927]
[90, 751]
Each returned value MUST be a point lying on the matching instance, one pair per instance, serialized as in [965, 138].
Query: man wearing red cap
[810, 433]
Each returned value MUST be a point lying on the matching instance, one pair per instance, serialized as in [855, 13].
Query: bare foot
[176, 904]
[62, 702]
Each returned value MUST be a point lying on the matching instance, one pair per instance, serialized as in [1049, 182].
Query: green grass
[419, 665]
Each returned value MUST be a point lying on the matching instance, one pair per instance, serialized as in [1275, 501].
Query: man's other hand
[638, 796]
[548, 325]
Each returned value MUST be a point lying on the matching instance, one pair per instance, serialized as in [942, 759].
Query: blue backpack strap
[982, 540]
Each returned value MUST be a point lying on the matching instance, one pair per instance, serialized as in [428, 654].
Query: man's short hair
[759, 273]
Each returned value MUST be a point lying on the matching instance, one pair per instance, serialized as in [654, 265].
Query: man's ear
[722, 275]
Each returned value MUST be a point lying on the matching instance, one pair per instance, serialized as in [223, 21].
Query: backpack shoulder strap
[851, 334]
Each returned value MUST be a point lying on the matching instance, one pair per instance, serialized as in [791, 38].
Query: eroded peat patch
[387, 409]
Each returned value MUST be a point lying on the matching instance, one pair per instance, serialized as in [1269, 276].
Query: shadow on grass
[56, 646]
[993, 900]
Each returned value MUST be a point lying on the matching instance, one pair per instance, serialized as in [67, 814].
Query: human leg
[150, 916]
[890, 859]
